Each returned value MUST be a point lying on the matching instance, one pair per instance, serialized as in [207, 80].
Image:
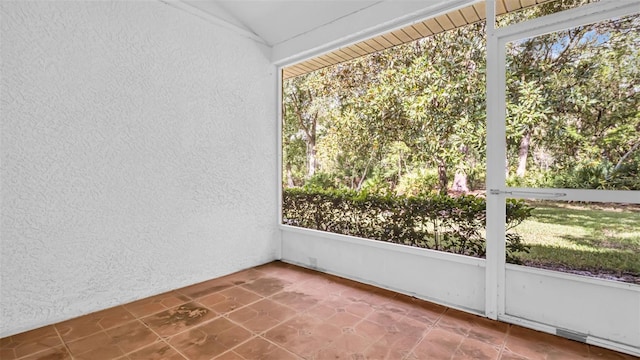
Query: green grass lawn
[583, 237]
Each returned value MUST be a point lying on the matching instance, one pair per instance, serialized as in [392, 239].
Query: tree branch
[625, 156]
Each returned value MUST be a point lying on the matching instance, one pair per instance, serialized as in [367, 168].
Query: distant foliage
[412, 119]
[320, 180]
[438, 222]
[420, 181]
[586, 175]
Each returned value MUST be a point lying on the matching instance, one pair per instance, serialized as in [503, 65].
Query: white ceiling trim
[212, 18]
[333, 36]
[328, 23]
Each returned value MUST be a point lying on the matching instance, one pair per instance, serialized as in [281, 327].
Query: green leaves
[438, 222]
[575, 93]
[573, 101]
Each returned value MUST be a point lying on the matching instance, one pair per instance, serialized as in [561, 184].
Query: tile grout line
[362, 319]
[340, 295]
[219, 315]
[135, 319]
[159, 311]
[259, 334]
[193, 300]
[297, 312]
[161, 340]
[377, 308]
[504, 342]
[336, 295]
[465, 336]
[64, 343]
[424, 335]
[281, 347]
[166, 339]
[262, 334]
[43, 350]
[228, 351]
[100, 327]
[459, 344]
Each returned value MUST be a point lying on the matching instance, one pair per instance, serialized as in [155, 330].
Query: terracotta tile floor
[278, 311]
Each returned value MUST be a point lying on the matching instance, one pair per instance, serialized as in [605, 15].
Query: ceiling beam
[215, 19]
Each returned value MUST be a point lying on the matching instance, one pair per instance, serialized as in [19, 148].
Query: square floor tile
[598, 353]
[266, 286]
[297, 300]
[54, 353]
[536, 344]
[229, 355]
[156, 304]
[156, 351]
[211, 339]
[471, 349]
[179, 318]
[29, 342]
[89, 324]
[438, 343]
[259, 348]
[131, 336]
[262, 315]
[96, 346]
[243, 277]
[280, 311]
[229, 299]
[206, 288]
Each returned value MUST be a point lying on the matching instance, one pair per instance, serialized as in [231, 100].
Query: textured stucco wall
[138, 148]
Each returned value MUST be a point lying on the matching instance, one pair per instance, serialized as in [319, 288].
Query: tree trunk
[364, 175]
[460, 182]
[443, 181]
[309, 125]
[290, 182]
[523, 153]
[506, 167]
[311, 156]
[624, 157]
[460, 178]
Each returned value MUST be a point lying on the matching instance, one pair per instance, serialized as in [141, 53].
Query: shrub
[584, 175]
[438, 222]
[420, 181]
[376, 185]
[320, 180]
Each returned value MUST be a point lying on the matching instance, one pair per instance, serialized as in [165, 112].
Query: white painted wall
[447, 279]
[138, 155]
[600, 309]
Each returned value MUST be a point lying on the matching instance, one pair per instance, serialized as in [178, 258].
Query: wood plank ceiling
[457, 18]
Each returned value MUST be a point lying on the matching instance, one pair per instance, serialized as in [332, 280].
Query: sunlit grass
[583, 237]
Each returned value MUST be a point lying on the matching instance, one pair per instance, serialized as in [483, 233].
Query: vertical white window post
[496, 155]
[536, 298]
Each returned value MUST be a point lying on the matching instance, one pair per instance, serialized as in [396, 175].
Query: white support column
[496, 155]
[279, 151]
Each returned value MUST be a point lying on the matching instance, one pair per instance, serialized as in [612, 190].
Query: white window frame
[497, 191]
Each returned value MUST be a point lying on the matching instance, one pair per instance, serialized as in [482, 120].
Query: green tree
[441, 97]
[573, 95]
[419, 109]
[307, 103]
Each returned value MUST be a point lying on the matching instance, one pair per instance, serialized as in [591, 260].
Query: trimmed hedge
[438, 222]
